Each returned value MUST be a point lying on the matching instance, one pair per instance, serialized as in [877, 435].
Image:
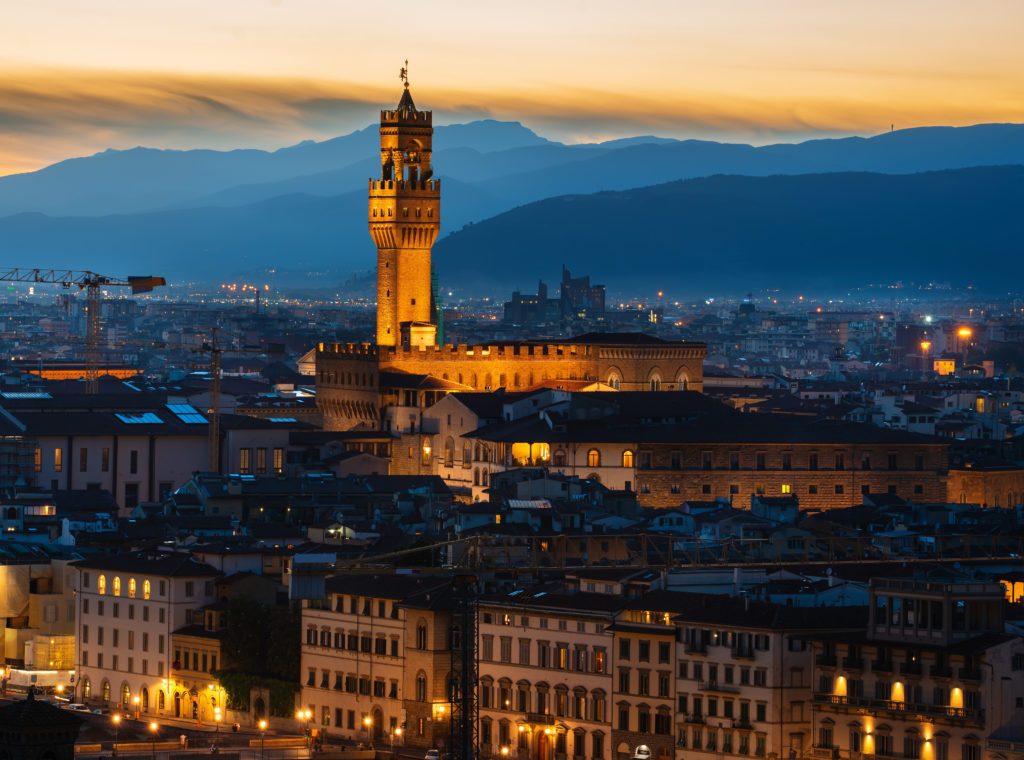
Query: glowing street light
[217, 717]
[117, 723]
[263, 731]
[136, 701]
[152, 732]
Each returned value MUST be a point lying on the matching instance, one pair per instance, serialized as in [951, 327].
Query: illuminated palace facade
[404, 220]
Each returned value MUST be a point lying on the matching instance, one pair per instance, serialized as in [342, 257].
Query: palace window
[593, 458]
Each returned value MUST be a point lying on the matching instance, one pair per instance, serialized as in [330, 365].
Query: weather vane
[403, 74]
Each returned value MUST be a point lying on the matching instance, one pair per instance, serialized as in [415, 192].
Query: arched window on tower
[627, 458]
[593, 458]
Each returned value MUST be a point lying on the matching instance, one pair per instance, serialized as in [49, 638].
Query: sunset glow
[80, 77]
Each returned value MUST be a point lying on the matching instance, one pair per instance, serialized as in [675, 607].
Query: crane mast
[92, 283]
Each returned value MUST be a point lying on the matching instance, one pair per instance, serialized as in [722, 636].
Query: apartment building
[933, 677]
[129, 606]
[359, 670]
[644, 687]
[743, 675]
[546, 674]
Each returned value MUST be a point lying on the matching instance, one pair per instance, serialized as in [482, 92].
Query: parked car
[643, 752]
[77, 706]
[101, 711]
[432, 754]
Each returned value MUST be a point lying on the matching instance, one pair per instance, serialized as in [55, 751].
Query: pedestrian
[183, 740]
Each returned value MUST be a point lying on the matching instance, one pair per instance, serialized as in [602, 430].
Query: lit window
[117, 585]
[102, 584]
[627, 458]
[787, 488]
[593, 458]
[146, 590]
[131, 588]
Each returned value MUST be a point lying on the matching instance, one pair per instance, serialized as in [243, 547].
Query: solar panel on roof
[146, 418]
[187, 414]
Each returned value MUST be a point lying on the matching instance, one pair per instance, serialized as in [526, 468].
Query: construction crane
[213, 412]
[92, 284]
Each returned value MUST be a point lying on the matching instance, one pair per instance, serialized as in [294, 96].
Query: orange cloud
[47, 114]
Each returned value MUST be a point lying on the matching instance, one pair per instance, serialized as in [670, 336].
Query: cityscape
[623, 447]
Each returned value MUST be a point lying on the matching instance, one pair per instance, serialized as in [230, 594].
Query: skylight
[24, 394]
[146, 418]
[187, 414]
[282, 419]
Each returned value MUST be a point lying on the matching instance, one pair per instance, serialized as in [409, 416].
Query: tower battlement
[426, 188]
[406, 117]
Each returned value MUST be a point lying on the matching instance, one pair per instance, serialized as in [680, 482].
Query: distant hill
[509, 163]
[829, 231]
[147, 179]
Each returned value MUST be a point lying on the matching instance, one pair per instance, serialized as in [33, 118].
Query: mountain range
[203, 215]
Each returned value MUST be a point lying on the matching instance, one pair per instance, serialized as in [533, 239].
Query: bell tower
[405, 218]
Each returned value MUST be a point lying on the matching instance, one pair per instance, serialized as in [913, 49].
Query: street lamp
[217, 718]
[305, 715]
[263, 731]
[367, 722]
[136, 701]
[152, 732]
[117, 723]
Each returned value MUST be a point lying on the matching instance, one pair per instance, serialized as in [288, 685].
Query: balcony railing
[853, 663]
[696, 718]
[1006, 745]
[826, 660]
[726, 688]
[941, 671]
[743, 653]
[905, 708]
[970, 674]
[695, 647]
[825, 753]
[540, 718]
[910, 668]
[881, 666]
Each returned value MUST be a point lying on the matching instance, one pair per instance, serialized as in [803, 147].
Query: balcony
[911, 668]
[715, 686]
[694, 718]
[1006, 745]
[881, 666]
[902, 708]
[825, 753]
[743, 723]
[743, 653]
[853, 663]
[970, 674]
[941, 671]
[695, 647]
[826, 660]
[540, 719]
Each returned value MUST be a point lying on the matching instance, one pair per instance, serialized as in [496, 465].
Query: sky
[81, 76]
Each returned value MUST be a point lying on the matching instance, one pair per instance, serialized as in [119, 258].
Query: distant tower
[405, 218]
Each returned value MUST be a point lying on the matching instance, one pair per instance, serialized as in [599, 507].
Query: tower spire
[403, 73]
